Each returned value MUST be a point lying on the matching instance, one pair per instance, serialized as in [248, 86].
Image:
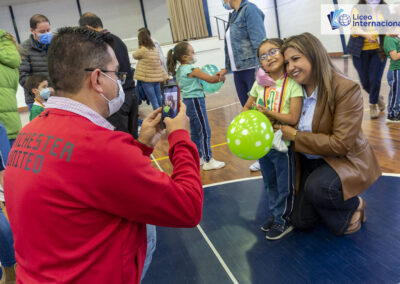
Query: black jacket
[33, 62]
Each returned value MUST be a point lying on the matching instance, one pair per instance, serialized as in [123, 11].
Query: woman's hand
[288, 132]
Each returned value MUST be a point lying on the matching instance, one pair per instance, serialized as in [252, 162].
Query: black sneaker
[265, 227]
[278, 231]
[393, 119]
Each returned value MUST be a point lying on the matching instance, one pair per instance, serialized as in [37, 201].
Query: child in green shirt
[280, 98]
[391, 47]
[38, 87]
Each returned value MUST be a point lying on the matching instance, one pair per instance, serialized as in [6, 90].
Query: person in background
[9, 63]
[38, 87]
[34, 53]
[189, 77]
[368, 56]
[158, 46]
[243, 35]
[7, 255]
[149, 70]
[126, 119]
[102, 180]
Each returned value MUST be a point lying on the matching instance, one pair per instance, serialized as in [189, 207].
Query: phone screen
[170, 101]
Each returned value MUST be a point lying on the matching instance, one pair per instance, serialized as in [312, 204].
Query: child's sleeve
[253, 92]
[389, 44]
[296, 90]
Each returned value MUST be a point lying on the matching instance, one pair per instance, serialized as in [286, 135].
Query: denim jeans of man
[151, 247]
[244, 80]
[370, 70]
[4, 147]
[7, 256]
[277, 169]
[320, 198]
[153, 93]
[200, 132]
[394, 95]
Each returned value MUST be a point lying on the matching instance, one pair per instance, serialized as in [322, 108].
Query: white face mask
[194, 60]
[115, 104]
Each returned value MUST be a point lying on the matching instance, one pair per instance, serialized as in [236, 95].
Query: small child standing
[280, 98]
[188, 78]
[391, 45]
[38, 87]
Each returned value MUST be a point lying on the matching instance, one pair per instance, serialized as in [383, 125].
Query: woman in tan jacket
[335, 161]
[149, 71]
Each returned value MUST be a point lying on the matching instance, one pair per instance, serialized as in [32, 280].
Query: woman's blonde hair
[322, 67]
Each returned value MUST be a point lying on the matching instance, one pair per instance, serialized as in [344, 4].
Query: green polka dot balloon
[250, 135]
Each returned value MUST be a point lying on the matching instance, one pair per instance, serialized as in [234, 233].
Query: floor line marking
[211, 109]
[155, 161]
[220, 259]
[213, 249]
[231, 181]
[390, 175]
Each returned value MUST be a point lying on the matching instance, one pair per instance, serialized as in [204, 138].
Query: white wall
[5, 21]
[156, 12]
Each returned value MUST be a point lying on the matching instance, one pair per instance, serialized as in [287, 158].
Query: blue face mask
[115, 104]
[45, 94]
[45, 38]
[227, 6]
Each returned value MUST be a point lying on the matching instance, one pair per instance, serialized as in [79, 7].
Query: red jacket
[79, 195]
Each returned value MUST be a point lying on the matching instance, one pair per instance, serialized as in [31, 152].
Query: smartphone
[171, 96]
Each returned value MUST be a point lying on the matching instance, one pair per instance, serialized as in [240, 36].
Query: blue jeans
[7, 256]
[244, 80]
[153, 93]
[394, 95]
[151, 247]
[370, 70]
[277, 169]
[320, 198]
[4, 147]
[200, 132]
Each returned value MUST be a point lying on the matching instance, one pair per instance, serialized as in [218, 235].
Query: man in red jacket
[81, 194]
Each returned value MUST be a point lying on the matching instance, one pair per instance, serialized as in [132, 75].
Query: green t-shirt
[392, 43]
[273, 94]
[35, 111]
[190, 86]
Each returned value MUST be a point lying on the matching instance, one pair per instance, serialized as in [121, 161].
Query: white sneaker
[213, 165]
[255, 167]
[201, 161]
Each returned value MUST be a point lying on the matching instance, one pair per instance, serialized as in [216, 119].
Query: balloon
[210, 87]
[250, 135]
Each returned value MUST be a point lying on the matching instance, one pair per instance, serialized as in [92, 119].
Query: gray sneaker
[278, 231]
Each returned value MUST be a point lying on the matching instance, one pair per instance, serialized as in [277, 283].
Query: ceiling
[16, 2]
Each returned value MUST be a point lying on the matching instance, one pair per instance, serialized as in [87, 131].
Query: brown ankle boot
[381, 104]
[9, 276]
[373, 111]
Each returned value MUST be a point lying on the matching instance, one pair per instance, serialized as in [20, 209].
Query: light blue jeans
[151, 247]
[153, 93]
[7, 256]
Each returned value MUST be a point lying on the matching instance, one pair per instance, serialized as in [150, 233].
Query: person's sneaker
[381, 104]
[201, 161]
[265, 227]
[278, 231]
[393, 119]
[255, 167]
[213, 165]
[373, 111]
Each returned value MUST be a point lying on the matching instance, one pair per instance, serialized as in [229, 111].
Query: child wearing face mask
[38, 88]
[188, 78]
[280, 98]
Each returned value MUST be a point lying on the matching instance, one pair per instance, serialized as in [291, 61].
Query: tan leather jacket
[339, 139]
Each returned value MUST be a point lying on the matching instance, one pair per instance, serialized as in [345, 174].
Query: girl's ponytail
[175, 55]
[171, 62]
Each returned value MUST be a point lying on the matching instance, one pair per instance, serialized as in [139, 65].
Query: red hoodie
[79, 195]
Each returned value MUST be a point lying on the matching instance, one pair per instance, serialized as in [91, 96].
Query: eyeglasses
[273, 52]
[121, 75]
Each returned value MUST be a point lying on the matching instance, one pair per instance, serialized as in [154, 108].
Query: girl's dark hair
[365, 2]
[276, 41]
[175, 55]
[145, 40]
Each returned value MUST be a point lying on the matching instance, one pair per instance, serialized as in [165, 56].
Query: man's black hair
[72, 50]
[90, 19]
